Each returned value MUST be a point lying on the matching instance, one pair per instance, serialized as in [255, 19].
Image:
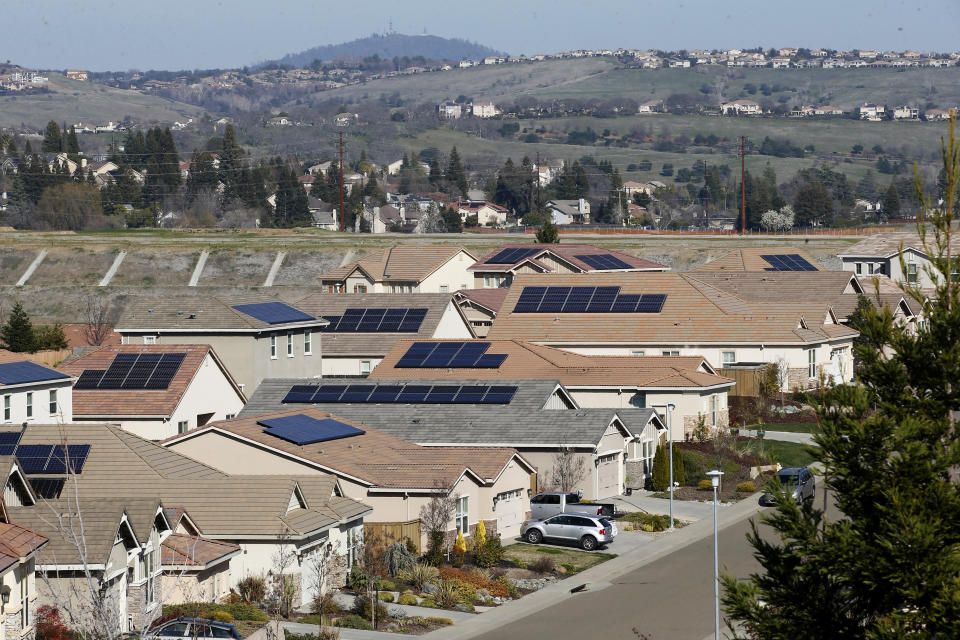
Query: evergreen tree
[72, 144]
[812, 205]
[679, 473]
[203, 175]
[17, 332]
[436, 174]
[890, 204]
[52, 139]
[548, 233]
[867, 187]
[661, 470]
[455, 175]
[888, 446]
[230, 163]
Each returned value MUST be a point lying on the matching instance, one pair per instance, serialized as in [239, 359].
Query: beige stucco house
[403, 269]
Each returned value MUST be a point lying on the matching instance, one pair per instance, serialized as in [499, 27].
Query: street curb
[600, 576]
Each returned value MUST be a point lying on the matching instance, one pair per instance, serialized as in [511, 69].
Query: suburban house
[684, 314]
[688, 383]
[254, 336]
[154, 391]
[500, 266]
[33, 392]
[484, 110]
[880, 254]
[538, 418]
[479, 307]
[761, 259]
[569, 211]
[741, 108]
[488, 214]
[396, 478]
[133, 496]
[363, 327]
[403, 269]
[650, 106]
[18, 551]
[906, 113]
[449, 109]
[871, 112]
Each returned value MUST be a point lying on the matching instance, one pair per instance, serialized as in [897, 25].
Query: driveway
[690, 510]
[783, 436]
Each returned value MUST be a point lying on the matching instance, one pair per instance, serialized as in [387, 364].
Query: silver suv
[797, 482]
[590, 532]
[192, 629]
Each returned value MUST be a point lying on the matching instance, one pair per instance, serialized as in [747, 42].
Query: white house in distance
[484, 110]
[32, 392]
[403, 269]
[154, 391]
[741, 108]
[564, 212]
[488, 214]
[880, 254]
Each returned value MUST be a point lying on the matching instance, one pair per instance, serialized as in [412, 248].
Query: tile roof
[885, 245]
[180, 550]
[522, 423]
[402, 263]
[137, 402]
[372, 344]
[698, 310]
[76, 338]
[197, 314]
[18, 542]
[374, 457]
[488, 298]
[526, 360]
[567, 253]
[748, 259]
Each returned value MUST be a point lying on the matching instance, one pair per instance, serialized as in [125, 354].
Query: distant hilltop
[389, 46]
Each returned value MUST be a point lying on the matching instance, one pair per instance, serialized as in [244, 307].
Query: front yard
[553, 560]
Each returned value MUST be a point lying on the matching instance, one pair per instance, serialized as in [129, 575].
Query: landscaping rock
[429, 588]
[534, 584]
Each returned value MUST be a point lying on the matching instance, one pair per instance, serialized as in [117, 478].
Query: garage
[608, 475]
[510, 512]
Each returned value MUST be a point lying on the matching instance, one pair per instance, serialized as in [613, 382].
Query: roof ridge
[386, 263]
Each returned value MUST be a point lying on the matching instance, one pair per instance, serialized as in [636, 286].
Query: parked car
[798, 482]
[550, 503]
[199, 628]
[590, 532]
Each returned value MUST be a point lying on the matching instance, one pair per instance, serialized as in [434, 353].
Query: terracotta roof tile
[190, 551]
[402, 263]
[748, 259]
[568, 253]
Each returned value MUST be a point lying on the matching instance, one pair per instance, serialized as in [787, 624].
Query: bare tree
[569, 469]
[283, 589]
[96, 319]
[436, 516]
[783, 376]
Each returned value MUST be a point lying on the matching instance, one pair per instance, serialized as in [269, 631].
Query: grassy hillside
[74, 101]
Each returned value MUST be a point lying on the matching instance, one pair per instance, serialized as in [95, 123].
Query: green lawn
[788, 454]
[573, 560]
[792, 427]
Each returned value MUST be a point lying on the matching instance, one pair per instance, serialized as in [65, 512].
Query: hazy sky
[185, 34]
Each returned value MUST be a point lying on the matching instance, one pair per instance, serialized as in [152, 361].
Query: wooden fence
[747, 379]
[49, 357]
[389, 532]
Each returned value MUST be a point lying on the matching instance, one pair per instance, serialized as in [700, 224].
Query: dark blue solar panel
[413, 393]
[23, 372]
[166, 369]
[490, 361]
[604, 261]
[89, 379]
[500, 394]
[302, 430]
[10, 437]
[273, 312]
[603, 299]
[452, 355]
[386, 393]
[442, 394]
[471, 394]
[509, 256]
[300, 393]
[651, 302]
[33, 457]
[585, 300]
[788, 262]
[625, 303]
[77, 456]
[357, 393]
[329, 393]
[364, 320]
[7, 449]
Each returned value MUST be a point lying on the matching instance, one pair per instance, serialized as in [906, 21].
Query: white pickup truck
[550, 503]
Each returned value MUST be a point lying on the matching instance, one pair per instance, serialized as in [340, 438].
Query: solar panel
[625, 303]
[393, 320]
[329, 393]
[500, 394]
[141, 371]
[442, 394]
[585, 300]
[401, 393]
[33, 457]
[133, 371]
[651, 302]
[89, 379]
[10, 437]
[166, 369]
[788, 262]
[300, 393]
[273, 312]
[47, 488]
[77, 456]
[472, 394]
[603, 261]
[23, 372]
[452, 355]
[302, 430]
[357, 393]
[386, 393]
[413, 393]
[509, 256]
[7, 449]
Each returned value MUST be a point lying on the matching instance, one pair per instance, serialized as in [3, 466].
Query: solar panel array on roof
[273, 312]
[51, 458]
[509, 256]
[451, 355]
[587, 300]
[130, 371]
[400, 393]
[23, 372]
[603, 261]
[300, 429]
[376, 321]
[787, 262]
[47, 488]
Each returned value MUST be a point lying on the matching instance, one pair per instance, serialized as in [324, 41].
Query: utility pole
[743, 185]
[537, 178]
[343, 214]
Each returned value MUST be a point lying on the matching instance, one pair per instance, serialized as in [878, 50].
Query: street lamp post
[670, 408]
[715, 482]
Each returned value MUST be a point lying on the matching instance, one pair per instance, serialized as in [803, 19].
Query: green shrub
[398, 558]
[357, 579]
[447, 594]
[239, 610]
[313, 619]
[466, 592]
[661, 471]
[543, 564]
[704, 485]
[679, 476]
[421, 574]
[385, 596]
[363, 608]
[221, 616]
[428, 603]
[387, 585]
[253, 588]
[520, 564]
[695, 466]
[354, 622]
[407, 598]
[747, 487]
[441, 622]
[648, 521]
[490, 553]
[434, 556]
[509, 586]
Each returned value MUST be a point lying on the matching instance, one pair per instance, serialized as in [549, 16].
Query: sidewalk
[689, 510]
[783, 436]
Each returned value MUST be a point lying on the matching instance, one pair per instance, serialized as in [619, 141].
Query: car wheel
[534, 536]
[588, 543]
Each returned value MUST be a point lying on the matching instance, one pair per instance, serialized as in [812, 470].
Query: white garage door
[608, 476]
[509, 514]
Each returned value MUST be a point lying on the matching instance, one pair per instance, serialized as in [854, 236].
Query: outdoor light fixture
[715, 483]
[5, 595]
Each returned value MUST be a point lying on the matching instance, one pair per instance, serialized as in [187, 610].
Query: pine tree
[52, 139]
[890, 204]
[548, 233]
[661, 470]
[455, 175]
[679, 473]
[17, 332]
[72, 144]
[889, 567]
[230, 163]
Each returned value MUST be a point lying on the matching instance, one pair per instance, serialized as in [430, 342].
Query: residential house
[363, 327]
[936, 114]
[403, 269]
[194, 568]
[395, 477]
[650, 106]
[394, 167]
[906, 113]
[254, 336]
[76, 74]
[479, 307]
[761, 259]
[569, 211]
[484, 110]
[18, 582]
[154, 391]
[685, 314]
[500, 266]
[741, 108]
[488, 214]
[538, 418]
[880, 254]
[449, 110]
[279, 121]
[872, 112]
[33, 392]
[827, 110]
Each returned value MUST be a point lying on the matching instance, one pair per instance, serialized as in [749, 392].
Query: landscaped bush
[441, 622]
[543, 564]
[221, 616]
[253, 588]
[398, 558]
[747, 487]
[428, 603]
[661, 472]
[508, 584]
[695, 466]
[326, 633]
[239, 610]
[387, 585]
[421, 574]
[354, 622]
[704, 485]
[490, 553]
[648, 521]
[407, 598]
[363, 608]
[385, 596]
[447, 594]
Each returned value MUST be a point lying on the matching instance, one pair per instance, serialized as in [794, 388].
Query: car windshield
[789, 480]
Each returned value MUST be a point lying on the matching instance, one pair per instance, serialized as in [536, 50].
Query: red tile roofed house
[403, 269]
[77, 335]
[392, 475]
[488, 214]
[33, 392]
[752, 259]
[498, 268]
[200, 390]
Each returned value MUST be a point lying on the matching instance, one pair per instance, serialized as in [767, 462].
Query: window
[175, 630]
[25, 620]
[812, 363]
[182, 426]
[727, 358]
[273, 347]
[444, 288]
[53, 402]
[463, 515]
[859, 268]
[230, 416]
[870, 268]
[149, 339]
[353, 538]
[638, 352]
[912, 273]
[30, 404]
[639, 400]
[647, 450]
[364, 367]
[147, 574]
[671, 353]
[486, 281]
[713, 410]
[359, 288]
[289, 344]
[6, 407]
[307, 342]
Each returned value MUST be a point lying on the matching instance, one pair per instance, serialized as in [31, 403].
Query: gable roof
[206, 315]
[17, 543]
[887, 245]
[18, 366]
[748, 259]
[93, 403]
[696, 311]
[489, 299]
[566, 253]
[402, 263]
[526, 360]
[179, 551]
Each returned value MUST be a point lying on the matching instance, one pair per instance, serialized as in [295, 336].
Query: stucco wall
[41, 403]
